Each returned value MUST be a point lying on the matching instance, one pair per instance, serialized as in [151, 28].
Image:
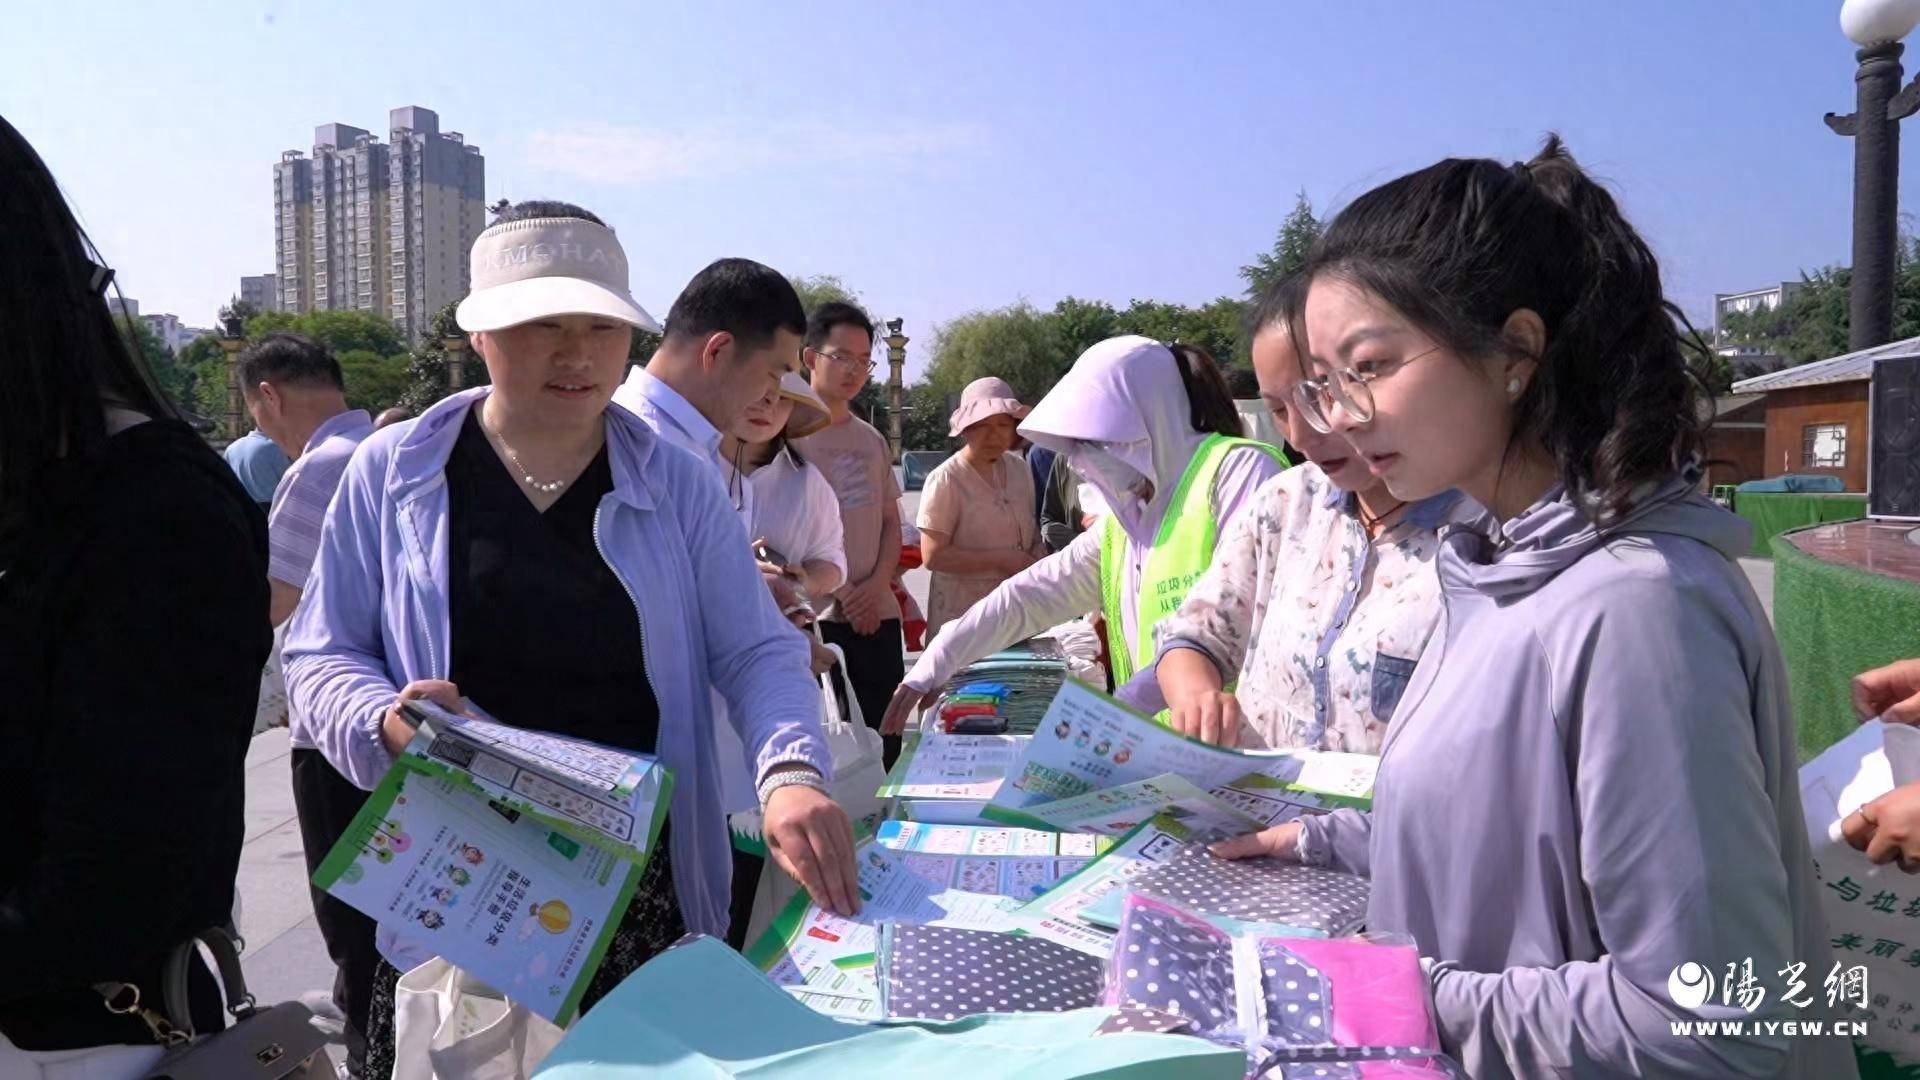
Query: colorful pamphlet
[511, 853]
[1091, 742]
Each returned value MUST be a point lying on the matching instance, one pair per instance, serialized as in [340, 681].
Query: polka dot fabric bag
[1347, 1008]
[1260, 891]
[947, 973]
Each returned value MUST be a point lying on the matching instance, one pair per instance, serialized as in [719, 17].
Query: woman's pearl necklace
[525, 476]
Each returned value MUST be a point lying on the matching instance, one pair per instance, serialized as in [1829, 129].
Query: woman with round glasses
[1152, 427]
[1319, 600]
[1591, 782]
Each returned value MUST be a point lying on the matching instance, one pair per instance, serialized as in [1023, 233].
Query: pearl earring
[1513, 386]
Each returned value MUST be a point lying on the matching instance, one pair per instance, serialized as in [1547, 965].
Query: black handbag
[278, 1042]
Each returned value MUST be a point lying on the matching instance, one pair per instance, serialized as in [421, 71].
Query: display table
[1846, 598]
[1772, 514]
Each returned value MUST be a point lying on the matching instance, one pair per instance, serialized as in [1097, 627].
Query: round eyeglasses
[1349, 388]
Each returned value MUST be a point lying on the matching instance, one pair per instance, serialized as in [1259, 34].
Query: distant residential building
[175, 334]
[438, 202]
[1750, 359]
[293, 231]
[262, 291]
[120, 305]
[379, 227]
[1746, 303]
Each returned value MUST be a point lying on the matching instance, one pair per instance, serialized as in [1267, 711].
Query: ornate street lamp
[233, 338]
[1877, 27]
[896, 385]
[456, 347]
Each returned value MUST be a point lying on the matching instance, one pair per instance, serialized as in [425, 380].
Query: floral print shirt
[1318, 625]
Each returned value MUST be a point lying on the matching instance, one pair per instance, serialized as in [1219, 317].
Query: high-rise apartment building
[293, 230]
[385, 227]
[262, 291]
[438, 206]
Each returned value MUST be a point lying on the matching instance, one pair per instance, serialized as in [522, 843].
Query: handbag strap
[225, 947]
[172, 1023]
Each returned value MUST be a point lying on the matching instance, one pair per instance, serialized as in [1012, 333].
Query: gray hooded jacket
[1590, 781]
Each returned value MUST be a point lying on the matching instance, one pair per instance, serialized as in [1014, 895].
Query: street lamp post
[456, 347]
[1880, 104]
[896, 387]
[232, 339]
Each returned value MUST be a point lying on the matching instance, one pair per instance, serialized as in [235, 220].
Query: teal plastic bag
[702, 1011]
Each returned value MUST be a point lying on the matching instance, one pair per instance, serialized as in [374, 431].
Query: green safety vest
[1182, 551]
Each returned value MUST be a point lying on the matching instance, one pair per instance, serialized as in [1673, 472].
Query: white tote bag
[449, 1025]
[858, 774]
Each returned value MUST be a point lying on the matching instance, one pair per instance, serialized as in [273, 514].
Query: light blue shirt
[258, 463]
[676, 421]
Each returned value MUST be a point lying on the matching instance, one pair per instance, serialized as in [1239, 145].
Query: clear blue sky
[946, 157]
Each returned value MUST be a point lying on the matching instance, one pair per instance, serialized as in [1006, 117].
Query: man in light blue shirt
[732, 333]
[734, 330]
[259, 464]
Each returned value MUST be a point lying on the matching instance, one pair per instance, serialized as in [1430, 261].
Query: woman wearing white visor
[532, 547]
[1152, 428]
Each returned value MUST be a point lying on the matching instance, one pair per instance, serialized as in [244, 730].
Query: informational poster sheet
[512, 854]
[935, 765]
[1017, 863]
[1116, 811]
[1090, 742]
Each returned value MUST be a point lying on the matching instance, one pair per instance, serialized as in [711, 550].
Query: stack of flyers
[949, 778]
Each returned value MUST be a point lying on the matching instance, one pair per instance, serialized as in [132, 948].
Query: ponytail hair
[1210, 405]
[1459, 246]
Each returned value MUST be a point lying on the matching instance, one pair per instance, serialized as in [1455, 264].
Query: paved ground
[285, 955]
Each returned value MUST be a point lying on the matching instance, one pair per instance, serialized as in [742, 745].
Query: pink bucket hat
[983, 398]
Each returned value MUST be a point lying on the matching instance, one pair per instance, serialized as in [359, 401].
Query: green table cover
[1835, 622]
[1772, 514]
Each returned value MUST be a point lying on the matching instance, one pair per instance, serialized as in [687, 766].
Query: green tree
[340, 331]
[1290, 248]
[374, 382]
[174, 380]
[1215, 327]
[1081, 324]
[820, 289]
[924, 427]
[426, 374]
[1016, 343]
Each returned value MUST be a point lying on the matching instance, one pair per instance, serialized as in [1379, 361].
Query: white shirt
[676, 421]
[795, 511]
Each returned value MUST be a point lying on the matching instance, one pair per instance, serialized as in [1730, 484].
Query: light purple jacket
[1590, 781]
[374, 617]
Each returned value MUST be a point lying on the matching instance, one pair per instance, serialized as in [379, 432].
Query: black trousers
[876, 663]
[325, 802]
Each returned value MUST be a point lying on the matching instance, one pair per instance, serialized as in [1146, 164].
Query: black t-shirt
[544, 634]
